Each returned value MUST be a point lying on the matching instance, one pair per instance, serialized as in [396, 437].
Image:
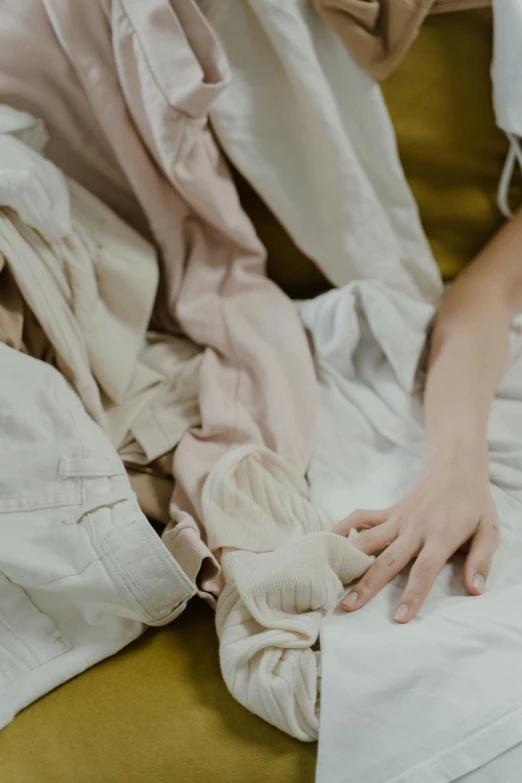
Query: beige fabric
[269, 613]
[19, 328]
[378, 33]
[153, 491]
[141, 387]
[174, 408]
[152, 483]
[96, 333]
[11, 309]
[93, 292]
[124, 88]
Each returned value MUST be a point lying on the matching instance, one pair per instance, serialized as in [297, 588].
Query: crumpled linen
[124, 89]
[30, 184]
[83, 302]
[311, 133]
[445, 691]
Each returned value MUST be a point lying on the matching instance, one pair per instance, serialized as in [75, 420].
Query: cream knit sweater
[283, 570]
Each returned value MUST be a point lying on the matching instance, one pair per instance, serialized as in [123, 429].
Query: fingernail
[479, 583]
[401, 612]
[350, 600]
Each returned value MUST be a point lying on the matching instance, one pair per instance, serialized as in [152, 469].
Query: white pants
[81, 570]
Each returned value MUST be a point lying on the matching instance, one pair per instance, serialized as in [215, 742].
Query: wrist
[457, 454]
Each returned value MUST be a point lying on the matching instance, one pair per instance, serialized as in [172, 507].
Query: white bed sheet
[432, 701]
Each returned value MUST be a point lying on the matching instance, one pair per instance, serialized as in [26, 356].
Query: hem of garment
[150, 582]
[138, 561]
[57, 671]
[470, 754]
[449, 7]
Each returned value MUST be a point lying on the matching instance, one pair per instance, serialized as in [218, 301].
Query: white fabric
[81, 570]
[506, 67]
[73, 286]
[506, 73]
[92, 292]
[310, 131]
[283, 569]
[29, 184]
[24, 126]
[435, 699]
[502, 769]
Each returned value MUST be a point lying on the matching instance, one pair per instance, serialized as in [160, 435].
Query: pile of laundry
[89, 394]
[151, 371]
[154, 369]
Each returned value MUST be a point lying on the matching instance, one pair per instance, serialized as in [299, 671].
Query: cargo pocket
[28, 638]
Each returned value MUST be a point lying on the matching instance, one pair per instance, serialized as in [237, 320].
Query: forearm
[469, 349]
[468, 355]
[451, 504]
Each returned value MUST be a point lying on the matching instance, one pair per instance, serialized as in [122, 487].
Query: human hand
[446, 509]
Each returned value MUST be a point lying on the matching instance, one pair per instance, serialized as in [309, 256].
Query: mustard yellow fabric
[159, 712]
[452, 152]
[287, 265]
[440, 103]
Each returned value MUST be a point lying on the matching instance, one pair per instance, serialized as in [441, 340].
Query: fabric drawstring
[514, 155]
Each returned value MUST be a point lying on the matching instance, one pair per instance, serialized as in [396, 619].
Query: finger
[423, 574]
[360, 520]
[481, 552]
[376, 539]
[387, 565]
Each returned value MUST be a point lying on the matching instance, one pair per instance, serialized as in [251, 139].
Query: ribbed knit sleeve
[283, 570]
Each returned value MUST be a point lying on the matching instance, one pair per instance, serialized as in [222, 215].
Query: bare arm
[451, 504]
[469, 346]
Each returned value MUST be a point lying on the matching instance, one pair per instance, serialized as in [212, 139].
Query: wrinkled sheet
[442, 696]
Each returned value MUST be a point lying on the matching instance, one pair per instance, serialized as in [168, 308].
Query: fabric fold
[133, 128]
[99, 284]
[507, 90]
[294, 88]
[379, 33]
[82, 572]
[29, 184]
[269, 612]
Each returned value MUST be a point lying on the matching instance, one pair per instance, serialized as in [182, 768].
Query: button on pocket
[28, 638]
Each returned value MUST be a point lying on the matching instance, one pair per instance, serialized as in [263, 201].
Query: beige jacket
[378, 33]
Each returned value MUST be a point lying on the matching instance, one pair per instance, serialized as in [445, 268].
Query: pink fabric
[124, 87]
